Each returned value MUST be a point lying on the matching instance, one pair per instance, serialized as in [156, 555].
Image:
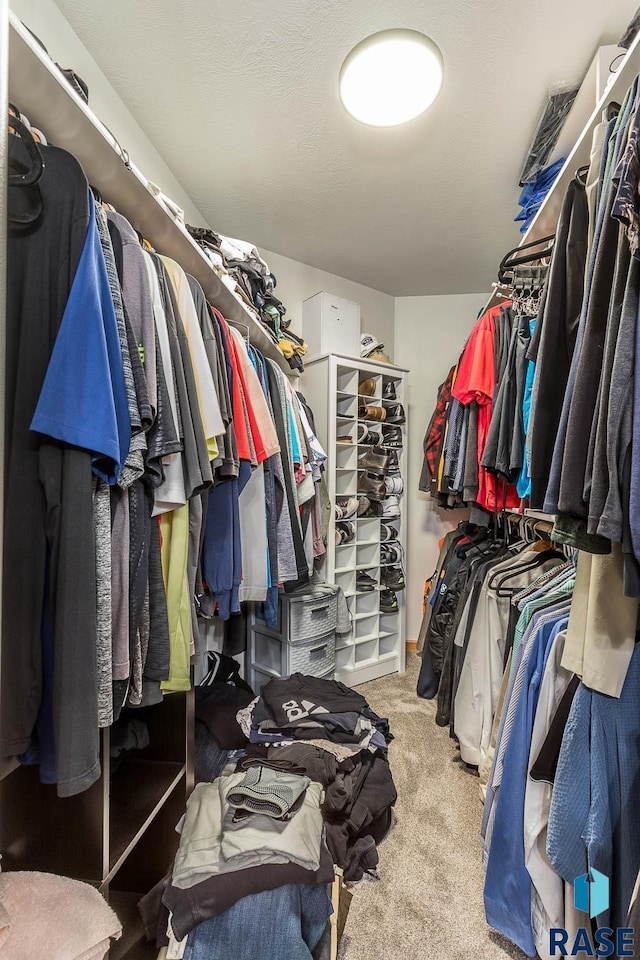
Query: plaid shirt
[433, 438]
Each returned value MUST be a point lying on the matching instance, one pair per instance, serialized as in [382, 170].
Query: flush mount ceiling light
[391, 77]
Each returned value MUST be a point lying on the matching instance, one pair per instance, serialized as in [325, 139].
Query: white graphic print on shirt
[297, 711]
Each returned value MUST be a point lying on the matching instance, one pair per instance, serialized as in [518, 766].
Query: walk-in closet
[320, 582]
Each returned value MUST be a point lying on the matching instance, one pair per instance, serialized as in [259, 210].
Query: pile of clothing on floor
[310, 789]
[246, 273]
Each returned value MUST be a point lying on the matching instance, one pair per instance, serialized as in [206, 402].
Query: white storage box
[331, 325]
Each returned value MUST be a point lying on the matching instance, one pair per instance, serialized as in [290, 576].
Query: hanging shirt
[507, 892]
[475, 382]
[598, 828]
[83, 401]
[207, 396]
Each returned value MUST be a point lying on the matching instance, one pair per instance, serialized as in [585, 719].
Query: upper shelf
[546, 220]
[40, 91]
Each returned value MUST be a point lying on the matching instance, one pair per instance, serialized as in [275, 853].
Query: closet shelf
[133, 944]
[40, 91]
[546, 220]
[139, 789]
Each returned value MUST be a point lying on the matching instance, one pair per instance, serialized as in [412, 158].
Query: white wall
[430, 333]
[298, 281]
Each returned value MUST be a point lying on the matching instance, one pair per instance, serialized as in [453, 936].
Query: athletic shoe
[395, 413]
[368, 437]
[389, 391]
[375, 461]
[387, 533]
[346, 530]
[390, 553]
[390, 508]
[365, 583]
[393, 469]
[392, 437]
[346, 507]
[393, 578]
[374, 509]
[369, 487]
[388, 602]
[394, 485]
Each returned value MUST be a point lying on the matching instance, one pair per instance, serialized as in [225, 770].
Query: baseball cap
[369, 343]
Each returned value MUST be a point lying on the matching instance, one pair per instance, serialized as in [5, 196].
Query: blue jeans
[281, 924]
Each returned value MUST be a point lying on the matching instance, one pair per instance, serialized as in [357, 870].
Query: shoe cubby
[346, 484]
[389, 623]
[367, 605]
[368, 531]
[345, 659]
[345, 559]
[377, 392]
[332, 385]
[388, 645]
[366, 653]
[347, 408]
[366, 628]
[363, 417]
[346, 580]
[346, 457]
[347, 380]
[368, 555]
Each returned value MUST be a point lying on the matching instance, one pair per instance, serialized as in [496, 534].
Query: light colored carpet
[428, 900]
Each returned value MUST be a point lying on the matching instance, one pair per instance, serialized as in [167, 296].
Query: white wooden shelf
[546, 220]
[328, 380]
[40, 91]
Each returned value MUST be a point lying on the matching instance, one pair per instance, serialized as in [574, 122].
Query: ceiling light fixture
[391, 77]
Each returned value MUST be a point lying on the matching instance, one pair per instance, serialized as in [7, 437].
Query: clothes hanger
[33, 175]
[511, 260]
[581, 174]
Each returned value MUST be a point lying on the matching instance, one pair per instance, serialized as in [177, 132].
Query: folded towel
[45, 915]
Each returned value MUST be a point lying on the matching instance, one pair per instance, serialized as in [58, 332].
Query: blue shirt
[593, 821]
[83, 400]
[523, 485]
[507, 890]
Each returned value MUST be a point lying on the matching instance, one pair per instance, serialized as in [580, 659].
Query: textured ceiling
[241, 100]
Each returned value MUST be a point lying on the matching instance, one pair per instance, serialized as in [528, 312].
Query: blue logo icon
[591, 893]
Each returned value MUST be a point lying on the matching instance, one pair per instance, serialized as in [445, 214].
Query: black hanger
[612, 110]
[511, 260]
[31, 176]
[581, 174]
[97, 195]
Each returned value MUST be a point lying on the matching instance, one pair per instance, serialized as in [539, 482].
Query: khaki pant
[602, 624]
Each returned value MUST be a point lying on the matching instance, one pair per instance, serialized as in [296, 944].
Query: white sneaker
[346, 507]
[394, 485]
[390, 508]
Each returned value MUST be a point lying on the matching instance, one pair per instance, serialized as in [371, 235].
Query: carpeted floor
[428, 900]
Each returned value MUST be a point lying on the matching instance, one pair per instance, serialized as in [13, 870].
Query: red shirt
[476, 380]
